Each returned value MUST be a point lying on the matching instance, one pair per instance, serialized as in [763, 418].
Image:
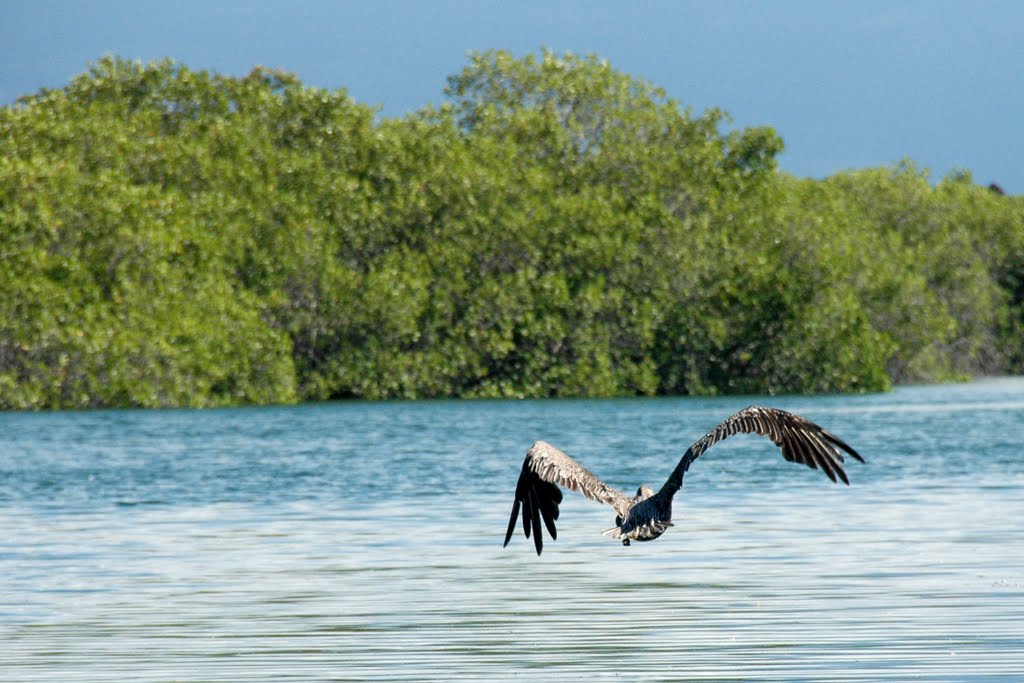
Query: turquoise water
[362, 541]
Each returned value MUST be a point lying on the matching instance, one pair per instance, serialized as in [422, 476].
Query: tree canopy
[557, 228]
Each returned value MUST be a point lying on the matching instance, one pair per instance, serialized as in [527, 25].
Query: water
[362, 541]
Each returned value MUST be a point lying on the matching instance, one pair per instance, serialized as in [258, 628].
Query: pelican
[647, 515]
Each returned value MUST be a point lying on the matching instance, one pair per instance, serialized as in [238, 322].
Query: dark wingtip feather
[842, 444]
[511, 522]
[828, 469]
[538, 537]
[548, 512]
[527, 512]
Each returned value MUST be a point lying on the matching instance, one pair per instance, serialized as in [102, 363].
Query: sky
[846, 85]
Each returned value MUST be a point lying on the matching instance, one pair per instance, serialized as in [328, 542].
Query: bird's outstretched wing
[800, 440]
[545, 468]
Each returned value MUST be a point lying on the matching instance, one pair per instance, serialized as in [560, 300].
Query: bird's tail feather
[644, 532]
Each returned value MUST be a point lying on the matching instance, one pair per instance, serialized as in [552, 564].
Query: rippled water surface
[362, 541]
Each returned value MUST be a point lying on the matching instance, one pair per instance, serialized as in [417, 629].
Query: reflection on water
[362, 541]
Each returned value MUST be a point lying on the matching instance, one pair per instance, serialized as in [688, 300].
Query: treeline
[176, 237]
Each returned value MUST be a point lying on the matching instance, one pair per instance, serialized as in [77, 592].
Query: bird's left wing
[545, 468]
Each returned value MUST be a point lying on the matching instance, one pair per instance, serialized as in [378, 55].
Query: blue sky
[847, 85]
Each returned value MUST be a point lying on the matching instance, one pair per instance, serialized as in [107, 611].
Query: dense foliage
[173, 237]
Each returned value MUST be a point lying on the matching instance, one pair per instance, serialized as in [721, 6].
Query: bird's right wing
[545, 468]
[800, 440]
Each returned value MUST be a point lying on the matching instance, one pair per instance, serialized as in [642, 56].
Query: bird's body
[648, 514]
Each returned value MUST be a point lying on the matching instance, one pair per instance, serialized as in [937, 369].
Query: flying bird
[647, 515]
